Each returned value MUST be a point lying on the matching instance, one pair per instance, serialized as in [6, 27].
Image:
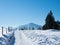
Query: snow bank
[6, 37]
[0, 33]
[37, 37]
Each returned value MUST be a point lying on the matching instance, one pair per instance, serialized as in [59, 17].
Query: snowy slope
[6, 38]
[31, 37]
[30, 26]
[37, 37]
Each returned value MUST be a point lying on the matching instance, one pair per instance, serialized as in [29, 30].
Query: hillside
[29, 26]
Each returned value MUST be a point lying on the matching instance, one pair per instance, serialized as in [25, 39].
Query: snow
[37, 37]
[7, 37]
[30, 37]
[21, 39]
[0, 33]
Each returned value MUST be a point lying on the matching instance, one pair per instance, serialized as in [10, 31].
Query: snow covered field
[30, 37]
[37, 37]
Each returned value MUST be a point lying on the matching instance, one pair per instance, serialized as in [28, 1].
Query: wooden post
[2, 30]
[6, 30]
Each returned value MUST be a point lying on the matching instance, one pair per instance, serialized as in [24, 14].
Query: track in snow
[37, 37]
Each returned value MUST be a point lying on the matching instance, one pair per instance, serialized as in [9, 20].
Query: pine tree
[50, 22]
[50, 18]
[58, 22]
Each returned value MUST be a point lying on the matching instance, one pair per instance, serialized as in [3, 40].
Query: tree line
[50, 22]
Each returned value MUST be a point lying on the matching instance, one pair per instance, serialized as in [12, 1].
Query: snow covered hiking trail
[37, 37]
[21, 39]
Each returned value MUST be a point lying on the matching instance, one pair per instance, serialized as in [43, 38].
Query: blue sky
[19, 12]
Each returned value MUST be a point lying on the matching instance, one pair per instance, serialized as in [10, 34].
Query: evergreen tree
[50, 19]
[50, 22]
[58, 22]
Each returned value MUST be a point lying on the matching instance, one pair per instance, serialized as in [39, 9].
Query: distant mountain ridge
[30, 26]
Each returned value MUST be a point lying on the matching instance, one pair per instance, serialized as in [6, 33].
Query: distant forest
[50, 22]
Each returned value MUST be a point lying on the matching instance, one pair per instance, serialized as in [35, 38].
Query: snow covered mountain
[30, 26]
